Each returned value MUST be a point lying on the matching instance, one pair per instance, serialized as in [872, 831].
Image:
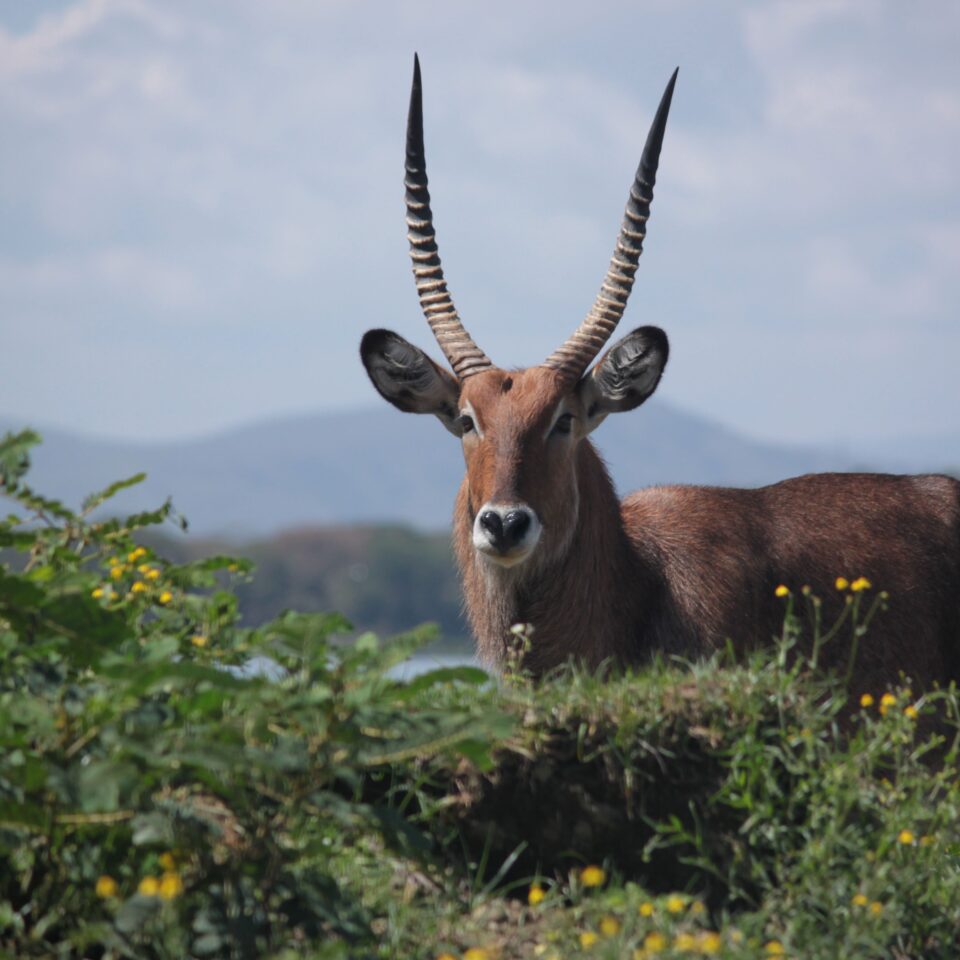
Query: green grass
[160, 800]
[744, 797]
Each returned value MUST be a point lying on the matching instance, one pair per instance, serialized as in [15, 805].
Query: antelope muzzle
[506, 533]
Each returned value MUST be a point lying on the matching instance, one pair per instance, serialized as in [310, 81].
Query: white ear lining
[625, 377]
[406, 377]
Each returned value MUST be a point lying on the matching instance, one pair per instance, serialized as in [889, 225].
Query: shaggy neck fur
[569, 591]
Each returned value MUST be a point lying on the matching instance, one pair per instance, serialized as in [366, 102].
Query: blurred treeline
[382, 578]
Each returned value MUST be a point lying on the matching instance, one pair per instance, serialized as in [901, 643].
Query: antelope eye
[466, 423]
[563, 424]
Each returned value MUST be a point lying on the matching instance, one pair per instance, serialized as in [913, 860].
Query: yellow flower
[861, 583]
[138, 587]
[536, 894]
[697, 908]
[593, 876]
[114, 561]
[876, 908]
[149, 887]
[96, 593]
[446, 956]
[167, 861]
[774, 948]
[106, 887]
[654, 942]
[134, 555]
[905, 837]
[199, 640]
[170, 885]
[781, 591]
[675, 904]
[911, 712]
[866, 700]
[709, 942]
[859, 900]
[476, 953]
[841, 583]
[609, 926]
[886, 702]
[152, 574]
[165, 597]
[926, 840]
[587, 939]
[646, 909]
[684, 941]
[117, 572]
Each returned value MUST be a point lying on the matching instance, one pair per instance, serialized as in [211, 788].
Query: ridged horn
[579, 350]
[464, 355]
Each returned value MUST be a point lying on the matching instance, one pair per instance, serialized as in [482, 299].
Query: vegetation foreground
[175, 785]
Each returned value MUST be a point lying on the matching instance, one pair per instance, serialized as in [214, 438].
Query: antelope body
[541, 538]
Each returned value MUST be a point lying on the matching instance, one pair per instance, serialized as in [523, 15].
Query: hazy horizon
[852, 445]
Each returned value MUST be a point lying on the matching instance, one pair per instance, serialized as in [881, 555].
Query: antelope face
[520, 430]
[518, 442]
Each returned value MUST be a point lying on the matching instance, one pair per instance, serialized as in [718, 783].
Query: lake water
[422, 662]
[417, 664]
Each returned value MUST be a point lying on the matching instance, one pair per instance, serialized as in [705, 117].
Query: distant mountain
[378, 465]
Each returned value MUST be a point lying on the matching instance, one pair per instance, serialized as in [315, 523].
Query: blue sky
[201, 203]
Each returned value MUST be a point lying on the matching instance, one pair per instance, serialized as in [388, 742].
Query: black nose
[490, 522]
[507, 532]
[515, 525]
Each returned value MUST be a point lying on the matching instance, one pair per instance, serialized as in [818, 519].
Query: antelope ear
[405, 376]
[624, 376]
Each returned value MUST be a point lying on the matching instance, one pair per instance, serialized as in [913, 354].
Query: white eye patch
[560, 414]
[466, 410]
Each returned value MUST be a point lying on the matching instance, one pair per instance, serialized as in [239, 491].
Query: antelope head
[521, 430]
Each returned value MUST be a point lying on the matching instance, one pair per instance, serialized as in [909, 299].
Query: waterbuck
[541, 538]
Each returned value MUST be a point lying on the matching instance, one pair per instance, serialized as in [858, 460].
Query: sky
[201, 204]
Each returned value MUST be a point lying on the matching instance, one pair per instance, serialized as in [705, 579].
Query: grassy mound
[175, 785]
[738, 806]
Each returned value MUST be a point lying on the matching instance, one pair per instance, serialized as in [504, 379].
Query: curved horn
[464, 355]
[585, 343]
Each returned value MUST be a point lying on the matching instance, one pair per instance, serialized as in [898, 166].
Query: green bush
[173, 784]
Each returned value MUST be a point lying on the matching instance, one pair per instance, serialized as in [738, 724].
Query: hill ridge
[373, 465]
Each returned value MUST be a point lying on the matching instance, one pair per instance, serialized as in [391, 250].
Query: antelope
[541, 538]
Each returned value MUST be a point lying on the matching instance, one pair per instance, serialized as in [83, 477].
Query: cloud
[57, 42]
[127, 274]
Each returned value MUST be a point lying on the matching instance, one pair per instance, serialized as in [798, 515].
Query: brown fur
[681, 570]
